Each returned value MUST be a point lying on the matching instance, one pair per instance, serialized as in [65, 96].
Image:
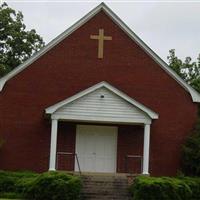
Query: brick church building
[95, 99]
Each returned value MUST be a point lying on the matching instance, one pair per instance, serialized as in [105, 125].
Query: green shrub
[23, 185]
[194, 184]
[165, 188]
[10, 181]
[55, 186]
[7, 184]
[50, 185]
[11, 195]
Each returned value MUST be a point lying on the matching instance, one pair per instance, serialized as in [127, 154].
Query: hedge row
[50, 185]
[165, 188]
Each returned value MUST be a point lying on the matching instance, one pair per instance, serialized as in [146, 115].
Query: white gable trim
[54, 108]
[194, 94]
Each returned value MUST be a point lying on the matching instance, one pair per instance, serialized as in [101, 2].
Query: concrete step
[105, 187]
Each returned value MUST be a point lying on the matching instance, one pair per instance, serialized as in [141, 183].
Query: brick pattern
[130, 142]
[66, 143]
[72, 66]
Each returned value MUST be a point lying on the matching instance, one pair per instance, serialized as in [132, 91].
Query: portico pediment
[102, 103]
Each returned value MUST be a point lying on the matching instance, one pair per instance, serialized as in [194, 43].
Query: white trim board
[52, 109]
[194, 94]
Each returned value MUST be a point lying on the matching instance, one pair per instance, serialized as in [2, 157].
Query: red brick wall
[66, 143]
[72, 66]
[130, 142]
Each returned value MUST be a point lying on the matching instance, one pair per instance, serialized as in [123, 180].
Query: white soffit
[194, 94]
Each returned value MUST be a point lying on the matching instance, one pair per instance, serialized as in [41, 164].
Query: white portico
[100, 104]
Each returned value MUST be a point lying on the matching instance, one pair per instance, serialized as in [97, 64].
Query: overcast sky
[162, 25]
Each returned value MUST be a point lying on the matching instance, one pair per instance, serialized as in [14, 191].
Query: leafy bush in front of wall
[50, 185]
[165, 188]
[11, 195]
[55, 186]
[9, 181]
[194, 184]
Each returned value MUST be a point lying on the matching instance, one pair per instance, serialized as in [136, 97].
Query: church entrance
[96, 145]
[96, 148]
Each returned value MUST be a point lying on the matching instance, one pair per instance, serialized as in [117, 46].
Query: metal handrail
[69, 153]
[133, 156]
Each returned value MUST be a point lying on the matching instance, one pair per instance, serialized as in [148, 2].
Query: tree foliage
[191, 153]
[16, 43]
[187, 69]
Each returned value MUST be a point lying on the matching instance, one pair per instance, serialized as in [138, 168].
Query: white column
[53, 147]
[146, 149]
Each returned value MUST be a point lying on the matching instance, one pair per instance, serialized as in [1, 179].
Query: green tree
[187, 69]
[16, 43]
[191, 153]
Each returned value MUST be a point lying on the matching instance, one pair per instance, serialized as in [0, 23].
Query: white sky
[163, 25]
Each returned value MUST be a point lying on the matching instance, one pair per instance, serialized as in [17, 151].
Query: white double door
[96, 148]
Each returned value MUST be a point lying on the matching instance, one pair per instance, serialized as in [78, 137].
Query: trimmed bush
[11, 195]
[194, 184]
[165, 188]
[50, 185]
[55, 186]
[12, 181]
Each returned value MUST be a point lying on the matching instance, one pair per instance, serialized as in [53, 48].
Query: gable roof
[149, 112]
[103, 7]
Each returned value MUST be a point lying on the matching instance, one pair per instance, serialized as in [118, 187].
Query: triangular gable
[194, 94]
[103, 103]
